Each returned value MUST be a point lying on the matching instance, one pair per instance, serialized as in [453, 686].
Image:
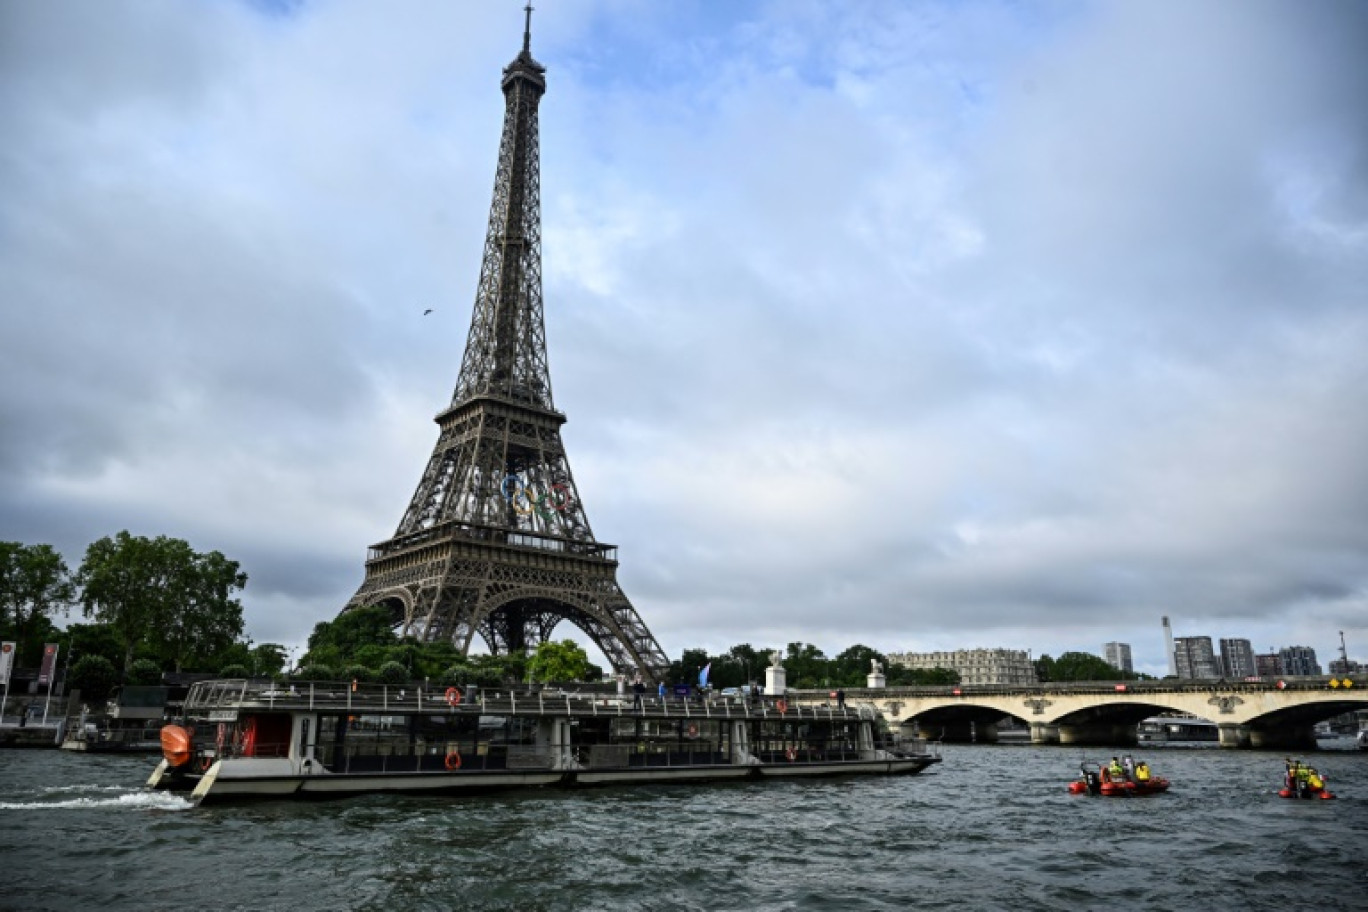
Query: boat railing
[227, 697]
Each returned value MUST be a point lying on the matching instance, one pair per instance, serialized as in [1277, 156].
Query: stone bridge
[1268, 713]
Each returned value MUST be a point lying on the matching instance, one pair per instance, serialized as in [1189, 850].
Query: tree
[143, 671]
[163, 593]
[94, 676]
[95, 639]
[563, 661]
[268, 659]
[807, 666]
[851, 668]
[1079, 666]
[34, 585]
[685, 671]
[208, 619]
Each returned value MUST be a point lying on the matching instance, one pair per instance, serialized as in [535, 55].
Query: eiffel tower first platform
[496, 540]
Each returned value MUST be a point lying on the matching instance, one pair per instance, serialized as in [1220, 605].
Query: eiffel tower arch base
[513, 601]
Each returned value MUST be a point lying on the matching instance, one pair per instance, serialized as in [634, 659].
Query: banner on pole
[6, 661]
[45, 671]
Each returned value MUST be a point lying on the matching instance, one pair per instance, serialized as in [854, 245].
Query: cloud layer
[918, 325]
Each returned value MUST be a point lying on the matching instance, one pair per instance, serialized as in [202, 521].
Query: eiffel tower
[495, 541]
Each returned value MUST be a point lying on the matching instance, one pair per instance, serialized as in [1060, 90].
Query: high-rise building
[1268, 665]
[1299, 660]
[1195, 658]
[975, 666]
[1237, 658]
[1118, 655]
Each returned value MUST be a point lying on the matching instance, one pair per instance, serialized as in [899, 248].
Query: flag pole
[52, 676]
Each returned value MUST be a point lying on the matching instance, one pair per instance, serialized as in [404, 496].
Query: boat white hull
[243, 780]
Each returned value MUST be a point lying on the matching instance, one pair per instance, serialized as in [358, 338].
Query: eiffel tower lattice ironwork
[495, 541]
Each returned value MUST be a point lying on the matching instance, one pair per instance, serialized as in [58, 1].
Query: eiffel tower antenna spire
[495, 541]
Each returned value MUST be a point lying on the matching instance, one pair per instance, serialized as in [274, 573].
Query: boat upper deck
[223, 700]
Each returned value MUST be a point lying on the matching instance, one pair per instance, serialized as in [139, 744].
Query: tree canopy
[1080, 666]
[162, 594]
[563, 661]
[35, 585]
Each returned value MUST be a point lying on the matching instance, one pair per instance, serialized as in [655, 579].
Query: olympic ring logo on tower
[524, 499]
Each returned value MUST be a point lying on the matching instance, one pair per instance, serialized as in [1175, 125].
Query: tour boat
[1094, 779]
[244, 740]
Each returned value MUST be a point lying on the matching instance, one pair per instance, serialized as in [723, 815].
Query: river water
[993, 827]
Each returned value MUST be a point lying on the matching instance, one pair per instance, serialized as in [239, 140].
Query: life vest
[1142, 772]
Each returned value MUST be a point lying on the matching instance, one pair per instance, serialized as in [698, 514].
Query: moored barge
[246, 740]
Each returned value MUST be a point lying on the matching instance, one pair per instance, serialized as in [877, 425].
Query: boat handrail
[227, 696]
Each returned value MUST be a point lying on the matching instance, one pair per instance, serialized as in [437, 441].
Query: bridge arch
[1273, 713]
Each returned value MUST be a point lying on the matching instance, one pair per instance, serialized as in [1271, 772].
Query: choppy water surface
[991, 828]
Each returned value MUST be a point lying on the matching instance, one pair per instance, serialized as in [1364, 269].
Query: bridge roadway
[1270, 713]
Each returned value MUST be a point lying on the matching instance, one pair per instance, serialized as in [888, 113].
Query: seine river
[991, 828]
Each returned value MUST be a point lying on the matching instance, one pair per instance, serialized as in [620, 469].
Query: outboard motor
[1091, 779]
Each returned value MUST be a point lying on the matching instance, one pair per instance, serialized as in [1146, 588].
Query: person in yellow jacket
[1115, 772]
[1142, 773]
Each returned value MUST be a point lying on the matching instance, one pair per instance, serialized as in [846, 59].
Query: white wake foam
[141, 800]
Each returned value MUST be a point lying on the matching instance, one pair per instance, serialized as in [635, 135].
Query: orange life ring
[693, 730]
[453, 760]
[792, 754]
[453, 696]
[782, 706]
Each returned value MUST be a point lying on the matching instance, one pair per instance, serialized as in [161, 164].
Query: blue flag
[703, 675]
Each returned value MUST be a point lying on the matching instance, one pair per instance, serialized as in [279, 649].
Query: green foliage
[162, 593]
[35, 585]
[268, 659]
[459, 674]
[316, 673]
[898, 676]
[394, 674]
[357, 673]
[353, 629]
[94, 676]
[1079, 666]
[95, 639]
[807, 666]
[235, 671]
[563, 661]
[143, 671]
[851, 668]
[686, 669]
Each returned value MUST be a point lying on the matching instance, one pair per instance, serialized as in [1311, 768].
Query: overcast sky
[918, 325]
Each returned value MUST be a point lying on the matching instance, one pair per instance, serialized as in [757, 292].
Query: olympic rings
[524, 499]
[453, 760]
[453, 696]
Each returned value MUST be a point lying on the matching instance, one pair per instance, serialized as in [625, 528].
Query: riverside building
[1237, 659]
[975, 666]
[1299, 660]
[1195, 658]
[1118, 655]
